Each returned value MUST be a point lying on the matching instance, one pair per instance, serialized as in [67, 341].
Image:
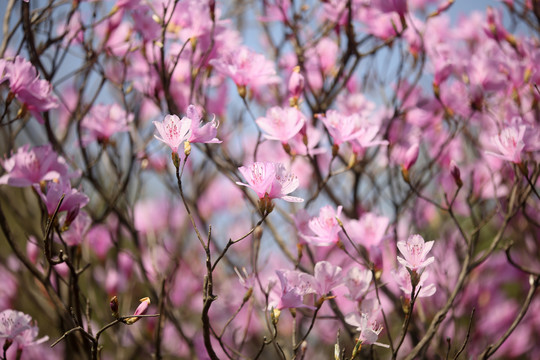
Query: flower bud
[114, 306]
[141, 309]
[456, 174]
[187, 148]
[296, 83]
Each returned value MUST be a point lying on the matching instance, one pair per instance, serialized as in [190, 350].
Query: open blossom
[246, 68]
[414, 251]
[368, 328]
[326, 277]
[17, 327]
[201, 134]
[53, 192]
[325, 227]
[103, 121]
[271, 179]
[173, 131]
[281, 124]
[31, 166]
[403, 279]
[358, 281]
[509, 143]
[293, 289]
[25, 84]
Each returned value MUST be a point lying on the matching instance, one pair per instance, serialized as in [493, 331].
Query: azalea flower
[25, 84]
[270, 179]
[17, 327]
[358, 281]
[368, 328]
[246, 68]
[31, 166]
[173, 131]
[403, 279]
[281, 124]
[293, 289]
[325, 227]
[103, 121]
[414, 252]
[509, 143]
[201, 134]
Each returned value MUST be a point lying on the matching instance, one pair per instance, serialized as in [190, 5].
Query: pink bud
[456, 174]
[296, 83]
[141, 309]
[411, 156]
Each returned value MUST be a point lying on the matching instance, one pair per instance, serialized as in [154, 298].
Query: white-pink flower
[414, 252]
[173, 131]
[509, 143]
[325, 227]
[17, 327]
[281, 124]
[403, 279]
[358, 281]
[201, 133]
[270, 179]
[368, 328]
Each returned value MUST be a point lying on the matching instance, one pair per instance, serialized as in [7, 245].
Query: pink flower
[326, 276]
[246, 68]
[270, 179]
[31, 166]
[358, 281]
[368, 328]
[281, 124]
[509, 143]
[173, 131]
[296, 83]
[205, 133]
[293, 289]
[25, 84]
[73, 199]
[16, 326]
[325, 227]
[415, 251]
[141, 309]
[403, 279]
[411, 156]
[103, 121]
[345, 128]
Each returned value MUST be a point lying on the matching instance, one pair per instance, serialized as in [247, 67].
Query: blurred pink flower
[325, 227]
[293, 289]
[53, 192]
[31, 166]
[103, 121]
[205, 133]
[25, 84]
[358, 281]
[509, 143]
[17, 327]
[173, 131]
[281, 124]
[415, 251]
[403, 279]
[272, 179]
[327, 277]
[246, 68]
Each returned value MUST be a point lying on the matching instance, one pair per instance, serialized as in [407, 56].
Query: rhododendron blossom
[173, 131]
[414, 252]
[25, 84]
[103, 121]
[325, 227]
[270, 179]
[403, 279]
[281, 124]
[17, 327]
[368, 328]
[201, 134]
[509, 143]
[32, 165]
